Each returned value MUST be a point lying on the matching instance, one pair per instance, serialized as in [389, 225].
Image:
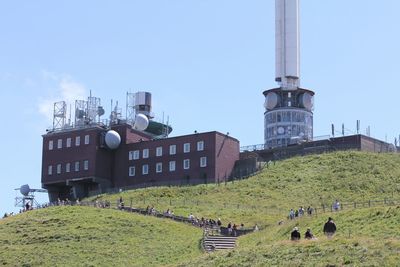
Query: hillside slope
[85, 236]
[267, 197]
[365, 237]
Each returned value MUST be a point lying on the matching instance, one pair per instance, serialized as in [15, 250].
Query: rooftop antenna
[130, 108]
[59, 115]
[28, 196]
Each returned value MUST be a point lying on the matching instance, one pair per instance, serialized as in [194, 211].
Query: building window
[77, 141]
[69, 142]
[87, 138]
[58, 168]
[145, 153]
[186, 147]
[200, 146]
[145, 169]
[172, 166]
[203, 162]
[159, 167]
[86, 165]
[186, 164]
[77, 166]
[68, 167]
[159, 151]
[172, 149]
[51, 145]
[133, 155]
[132, 171]
[50, 170]
[59, 143]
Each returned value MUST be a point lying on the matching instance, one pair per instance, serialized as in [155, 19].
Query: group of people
[293, 214]
[329, 230]
[232, 228]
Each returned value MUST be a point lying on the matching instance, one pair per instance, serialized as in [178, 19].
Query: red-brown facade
[138, 162]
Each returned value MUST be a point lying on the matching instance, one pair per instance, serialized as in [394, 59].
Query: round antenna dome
[271, 100]
[24, 189]
[141, 122]
[112, 139]
[307, 101]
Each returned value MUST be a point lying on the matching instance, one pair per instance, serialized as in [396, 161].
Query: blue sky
[206, 62]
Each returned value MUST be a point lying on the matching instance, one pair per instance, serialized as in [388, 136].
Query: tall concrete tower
[288, 116]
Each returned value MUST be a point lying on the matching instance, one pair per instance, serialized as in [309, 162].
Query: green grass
[366, 236]
[267, 197]
[83, 236]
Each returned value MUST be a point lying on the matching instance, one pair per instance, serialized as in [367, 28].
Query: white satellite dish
[112, 139]
[141, 122]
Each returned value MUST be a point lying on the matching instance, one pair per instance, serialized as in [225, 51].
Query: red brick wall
[226, 153]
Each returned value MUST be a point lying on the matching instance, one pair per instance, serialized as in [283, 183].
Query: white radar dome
[141, 122]
[271, 100]
[24, 189]
[112, 139]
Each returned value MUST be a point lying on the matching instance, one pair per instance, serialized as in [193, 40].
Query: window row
[135, 155]
[171, 167]
[68, 142]
[67, 167]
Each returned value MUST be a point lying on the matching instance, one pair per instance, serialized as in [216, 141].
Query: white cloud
[62, 88]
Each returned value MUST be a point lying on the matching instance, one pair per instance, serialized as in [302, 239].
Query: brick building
[77, 162]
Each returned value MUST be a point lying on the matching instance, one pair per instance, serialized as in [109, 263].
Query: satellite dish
[141, 122]
[307, 101]
[112, 139]
[24, 190]
[271, 100]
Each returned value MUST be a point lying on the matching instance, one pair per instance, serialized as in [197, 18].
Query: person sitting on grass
[295, 234]
[308, 235]
[329, 228]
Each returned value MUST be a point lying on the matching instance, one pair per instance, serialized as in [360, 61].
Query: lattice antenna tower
[130, 108]
[59, 115]
[93, 109]
[80, 112]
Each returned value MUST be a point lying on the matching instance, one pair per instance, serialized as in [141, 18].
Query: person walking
[329, 228]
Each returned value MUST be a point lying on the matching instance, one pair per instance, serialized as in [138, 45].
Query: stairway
[218, 242]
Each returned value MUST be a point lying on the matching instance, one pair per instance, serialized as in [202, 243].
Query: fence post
[131, 204]
[385, 201]
[355, 205]
[170, 202]
[323, 208]
[369, 203]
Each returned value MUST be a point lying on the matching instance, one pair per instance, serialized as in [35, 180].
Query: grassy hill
[367, 236]
[85, 236]
[267, 197]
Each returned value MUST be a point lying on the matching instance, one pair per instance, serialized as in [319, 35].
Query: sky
[206, 63]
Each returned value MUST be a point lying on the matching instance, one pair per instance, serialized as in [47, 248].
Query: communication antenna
[93, 109]
[130, 108]
[80, 112]
[59, 115]
[28, 196]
